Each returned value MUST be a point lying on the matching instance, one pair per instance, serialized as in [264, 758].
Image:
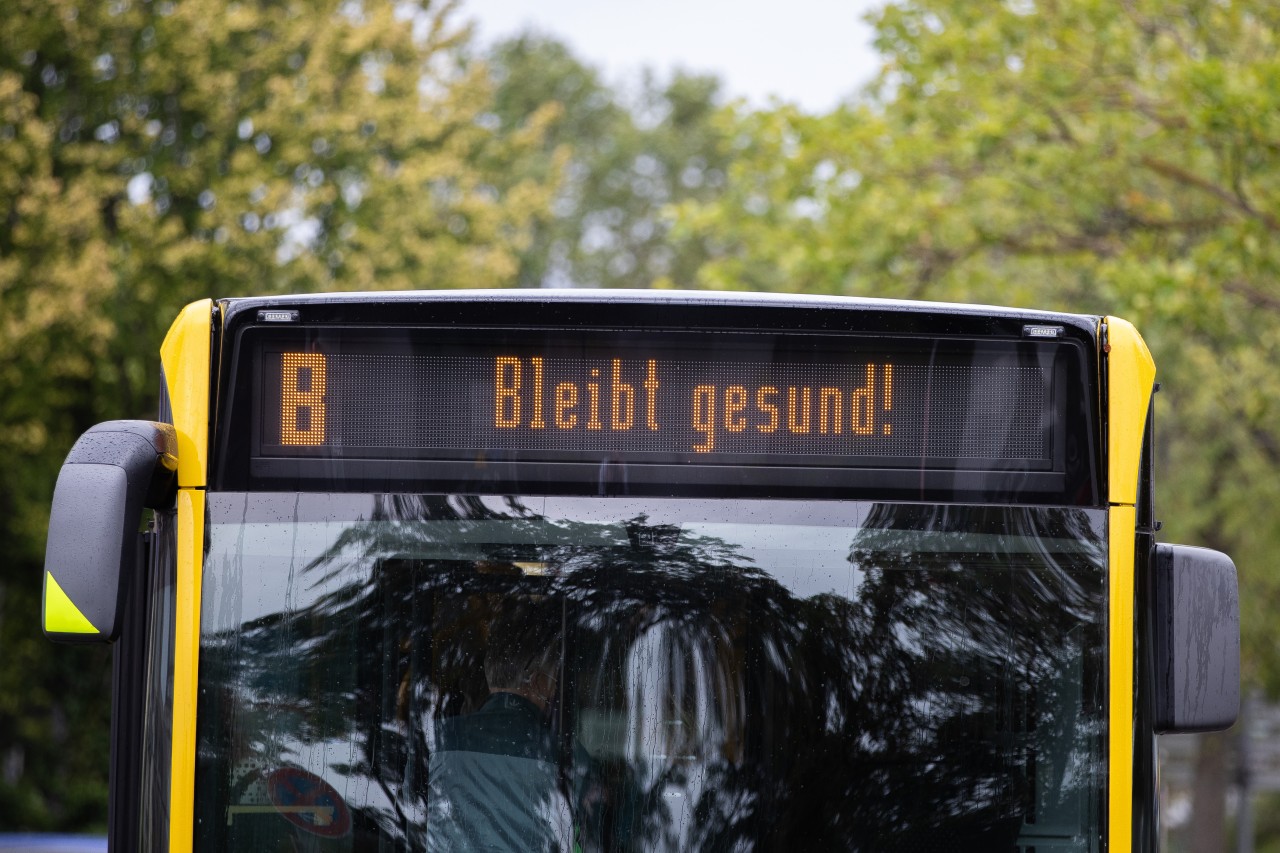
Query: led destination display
[768, 399]
[607, 401]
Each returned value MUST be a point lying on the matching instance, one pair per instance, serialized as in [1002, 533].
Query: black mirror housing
[1196, 626]
[114, 471]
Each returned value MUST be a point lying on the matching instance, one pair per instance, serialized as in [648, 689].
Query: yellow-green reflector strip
[61, 616]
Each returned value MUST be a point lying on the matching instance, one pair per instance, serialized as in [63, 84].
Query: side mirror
[1196, 627]
[114, 470]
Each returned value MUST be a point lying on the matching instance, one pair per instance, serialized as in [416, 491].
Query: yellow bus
[638, 571]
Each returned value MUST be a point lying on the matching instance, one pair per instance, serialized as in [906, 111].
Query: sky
[809, 52]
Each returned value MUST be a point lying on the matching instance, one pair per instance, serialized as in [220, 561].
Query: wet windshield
[400, 672]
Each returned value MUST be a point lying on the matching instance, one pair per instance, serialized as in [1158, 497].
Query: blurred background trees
[621, 159]
[152, 153]
[1123, 157]
[1104, 157]
[1109, 157]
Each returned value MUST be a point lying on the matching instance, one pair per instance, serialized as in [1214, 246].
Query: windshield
[405, 672]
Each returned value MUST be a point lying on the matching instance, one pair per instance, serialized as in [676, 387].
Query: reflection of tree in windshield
[967, 641]
[672, 679]
[951, 702]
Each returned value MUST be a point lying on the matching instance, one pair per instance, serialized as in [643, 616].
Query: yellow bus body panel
[186, 659]
[1131, 377]
[185, 355]
[187, 359]
[1131, 374]
[1120, 523]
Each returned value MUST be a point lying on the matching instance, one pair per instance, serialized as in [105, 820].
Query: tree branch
[1251, 294]
[1182, 176]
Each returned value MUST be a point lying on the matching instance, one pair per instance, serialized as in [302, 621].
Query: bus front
[530, 572]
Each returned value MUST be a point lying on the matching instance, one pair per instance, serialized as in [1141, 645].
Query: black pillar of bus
[128, 698]
[1146, 802]
[131, 690]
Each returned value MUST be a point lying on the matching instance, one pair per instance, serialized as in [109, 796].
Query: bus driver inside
[495, 774]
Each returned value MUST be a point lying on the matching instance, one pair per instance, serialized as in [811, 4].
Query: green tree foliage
[155, 152]
[625, 159]
[1094, 156]
[1117, 157]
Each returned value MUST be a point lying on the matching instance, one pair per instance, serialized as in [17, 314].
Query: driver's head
[523, 653]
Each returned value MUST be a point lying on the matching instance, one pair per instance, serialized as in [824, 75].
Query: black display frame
[242, 464]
